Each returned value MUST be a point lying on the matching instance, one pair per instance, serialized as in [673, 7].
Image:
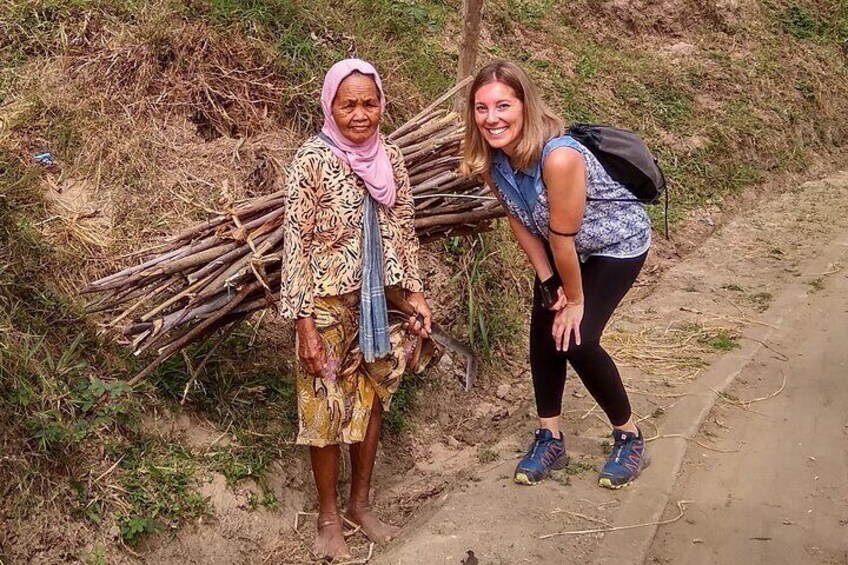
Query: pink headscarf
[369, 159]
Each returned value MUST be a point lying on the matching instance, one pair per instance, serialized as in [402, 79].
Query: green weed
[575, 467]
[720, 340]
[255, 398]
[240, 462]
[492, 316]
[265, 498]
[97, 556]
[588, 64]
[158, 483]
[396, 419]
[486, 455]
[800, 22]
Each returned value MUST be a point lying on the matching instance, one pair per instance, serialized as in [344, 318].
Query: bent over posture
[586, 237]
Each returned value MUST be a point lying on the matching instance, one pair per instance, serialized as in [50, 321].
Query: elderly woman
[349, 218]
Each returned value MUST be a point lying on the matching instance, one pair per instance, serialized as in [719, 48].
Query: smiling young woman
[586, 238]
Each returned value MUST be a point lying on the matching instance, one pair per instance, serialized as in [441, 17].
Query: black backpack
[626, 158]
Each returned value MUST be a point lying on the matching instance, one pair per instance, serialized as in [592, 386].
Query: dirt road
[765, 295]
[782, 498]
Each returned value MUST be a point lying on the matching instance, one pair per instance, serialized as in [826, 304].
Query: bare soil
[663, 339]
[779, 494]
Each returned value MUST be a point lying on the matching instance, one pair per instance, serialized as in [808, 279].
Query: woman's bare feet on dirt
[376, 530]
[329, 540]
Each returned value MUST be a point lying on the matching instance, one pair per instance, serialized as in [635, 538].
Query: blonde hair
[540, 122]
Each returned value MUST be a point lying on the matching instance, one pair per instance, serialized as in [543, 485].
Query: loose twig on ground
[109, 470]
[746, 404]
[297, 519]
[782, 356]
[705, 446]
[681, 505]
[583, 517]
[361, 561]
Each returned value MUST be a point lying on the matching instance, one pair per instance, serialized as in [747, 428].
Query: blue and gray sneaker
[545, 454]
[626, 461]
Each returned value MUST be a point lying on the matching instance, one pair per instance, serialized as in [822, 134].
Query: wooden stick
[439, 101]
[681, 505]
[463, 218]
[194, 332]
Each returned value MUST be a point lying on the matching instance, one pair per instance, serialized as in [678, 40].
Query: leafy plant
[800, 22]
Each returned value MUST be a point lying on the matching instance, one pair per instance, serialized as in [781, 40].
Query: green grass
[825, 22]
[159, 487]
[800, 22]
[579, 467]
[396, 420]
[720, 340]
[486, 455]
[665, 104]
[489, 275]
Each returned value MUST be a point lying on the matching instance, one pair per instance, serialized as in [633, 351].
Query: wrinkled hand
[567, 322]
[310, 347]
[421, 324]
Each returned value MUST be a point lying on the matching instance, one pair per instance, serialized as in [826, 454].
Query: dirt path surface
[678, 341]
[782, 495]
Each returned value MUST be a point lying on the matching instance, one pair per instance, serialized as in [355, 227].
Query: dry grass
[142, 165]
[676, 353]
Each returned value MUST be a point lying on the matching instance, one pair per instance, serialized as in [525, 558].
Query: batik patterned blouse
[322, 252]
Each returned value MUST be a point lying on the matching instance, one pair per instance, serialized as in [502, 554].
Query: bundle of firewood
[216, 274]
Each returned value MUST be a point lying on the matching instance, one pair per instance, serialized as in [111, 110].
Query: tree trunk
[472, 16]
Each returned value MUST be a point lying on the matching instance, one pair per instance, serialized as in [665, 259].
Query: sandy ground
[782, 495]
[661, 339]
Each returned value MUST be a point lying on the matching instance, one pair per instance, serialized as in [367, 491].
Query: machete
[439, 335]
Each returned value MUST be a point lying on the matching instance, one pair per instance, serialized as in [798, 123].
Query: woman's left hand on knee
[567, 322]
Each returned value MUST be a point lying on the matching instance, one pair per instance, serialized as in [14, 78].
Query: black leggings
[605, 282]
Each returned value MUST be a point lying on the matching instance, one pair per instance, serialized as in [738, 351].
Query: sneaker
[545, 454]
[626, 461]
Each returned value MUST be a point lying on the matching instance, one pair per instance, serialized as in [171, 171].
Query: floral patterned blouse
[614, 223]
[322, 251]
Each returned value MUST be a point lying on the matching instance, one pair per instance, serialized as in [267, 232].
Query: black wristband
[548, 290]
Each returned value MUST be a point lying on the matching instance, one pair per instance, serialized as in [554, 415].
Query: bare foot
[329, 540]
[376, 530]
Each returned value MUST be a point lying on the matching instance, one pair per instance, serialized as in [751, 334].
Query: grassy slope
[743, 93]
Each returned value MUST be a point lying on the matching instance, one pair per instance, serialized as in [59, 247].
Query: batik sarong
[335, 407]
